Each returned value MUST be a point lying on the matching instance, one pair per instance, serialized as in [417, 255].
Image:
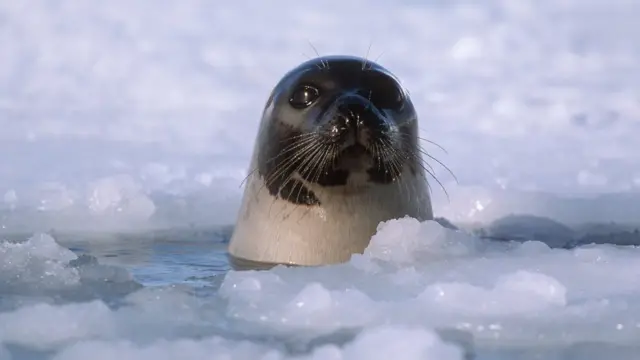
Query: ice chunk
[520, 292]
[44, 326]
[388, 342]
[38, 262]
[379, 343]
[41, 268]
[122, 196]
[265, 298]
[407, 240]
[216, 347]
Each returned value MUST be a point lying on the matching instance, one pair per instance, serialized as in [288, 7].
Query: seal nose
[358, 120]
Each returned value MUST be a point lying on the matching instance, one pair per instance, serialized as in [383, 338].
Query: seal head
[337, 152]
[339, 121]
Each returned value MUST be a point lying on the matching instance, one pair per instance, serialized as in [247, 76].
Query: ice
[39, 260]
[127, 129]
[45, 326]
[141, 326]
[400, 241]
[424, 296]
[527, 291]
[512, 290]
[440, 293]
[39, 269]
[117, 195]
[414, 344]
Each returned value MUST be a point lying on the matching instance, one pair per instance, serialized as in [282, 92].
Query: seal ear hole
[304, 96]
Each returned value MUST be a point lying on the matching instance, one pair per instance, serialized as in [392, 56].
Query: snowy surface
[127, 128]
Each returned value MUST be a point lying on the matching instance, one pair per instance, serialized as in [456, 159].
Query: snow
[127, 129]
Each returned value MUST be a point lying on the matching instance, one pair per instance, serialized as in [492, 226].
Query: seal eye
[304, 96]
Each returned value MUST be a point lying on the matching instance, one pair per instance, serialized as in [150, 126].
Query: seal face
[337, 152]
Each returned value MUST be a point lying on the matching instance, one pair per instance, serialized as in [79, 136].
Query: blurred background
[120, 114]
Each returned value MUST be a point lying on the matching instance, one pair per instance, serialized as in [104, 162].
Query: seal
[336, 153]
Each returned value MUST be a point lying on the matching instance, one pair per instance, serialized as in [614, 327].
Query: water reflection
[155, 258]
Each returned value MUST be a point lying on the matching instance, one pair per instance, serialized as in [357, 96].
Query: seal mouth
[355, 150]
[355, 157]
[354, 153]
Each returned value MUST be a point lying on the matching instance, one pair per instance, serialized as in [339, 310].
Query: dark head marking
[333, 121]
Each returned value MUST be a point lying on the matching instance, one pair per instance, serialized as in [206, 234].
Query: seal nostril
[359, 115]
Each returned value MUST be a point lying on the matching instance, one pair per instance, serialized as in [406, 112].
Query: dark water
[185, 256]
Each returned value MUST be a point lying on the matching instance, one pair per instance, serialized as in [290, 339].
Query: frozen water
[126, 132]
[437, 293]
